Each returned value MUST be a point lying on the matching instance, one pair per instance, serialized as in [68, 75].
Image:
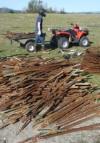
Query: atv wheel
[84, 42]
[63, 43]
[30, 47]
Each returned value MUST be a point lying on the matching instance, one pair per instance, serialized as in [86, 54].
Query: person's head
[42, 12]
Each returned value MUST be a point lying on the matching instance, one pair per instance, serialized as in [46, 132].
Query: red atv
[63, 38]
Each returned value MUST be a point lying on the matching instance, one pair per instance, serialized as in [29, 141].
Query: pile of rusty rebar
[52, 94]
[91, 60]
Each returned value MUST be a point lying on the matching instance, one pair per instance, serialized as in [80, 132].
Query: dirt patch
[91, 60]
[10, 134]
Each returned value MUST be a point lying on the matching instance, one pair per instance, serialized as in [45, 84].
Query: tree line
[33, 6]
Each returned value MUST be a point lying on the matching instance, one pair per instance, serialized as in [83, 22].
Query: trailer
[26, 40]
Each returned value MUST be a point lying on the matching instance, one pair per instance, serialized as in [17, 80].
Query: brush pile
[91, 60]
[52, 94]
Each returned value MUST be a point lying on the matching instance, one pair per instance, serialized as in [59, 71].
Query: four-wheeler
[60, 38]
[63, 38]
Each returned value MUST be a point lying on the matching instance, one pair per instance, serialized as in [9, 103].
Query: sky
[68, 5]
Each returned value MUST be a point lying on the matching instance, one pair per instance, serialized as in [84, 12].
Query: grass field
[26, 23]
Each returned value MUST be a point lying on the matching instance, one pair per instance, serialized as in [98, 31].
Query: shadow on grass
[1, 51]
[91, 43]
[50, 46]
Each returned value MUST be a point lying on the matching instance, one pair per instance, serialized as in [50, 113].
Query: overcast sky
[68, 5]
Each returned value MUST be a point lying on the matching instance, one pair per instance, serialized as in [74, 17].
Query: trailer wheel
[63, 43]
[30, 47]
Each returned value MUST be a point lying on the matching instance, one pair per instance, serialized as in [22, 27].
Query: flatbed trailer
[26, 40]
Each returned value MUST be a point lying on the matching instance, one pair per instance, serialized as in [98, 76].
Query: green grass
[26, 23]
[95, 79]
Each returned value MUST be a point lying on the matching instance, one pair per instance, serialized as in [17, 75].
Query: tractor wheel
[63, 43]
[84, 42]
[30, 46]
